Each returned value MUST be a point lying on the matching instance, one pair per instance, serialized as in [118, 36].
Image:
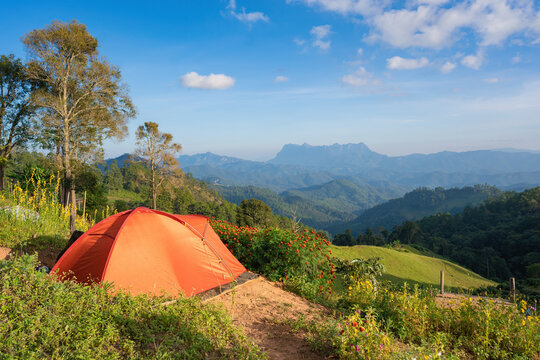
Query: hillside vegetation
[319, 206]
[498, 239]
[307, 211]
[347, 196]
[405, 266]
[63, 320]
[417, 204]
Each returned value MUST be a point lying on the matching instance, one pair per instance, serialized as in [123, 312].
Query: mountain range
[329, 187]
[298, 166]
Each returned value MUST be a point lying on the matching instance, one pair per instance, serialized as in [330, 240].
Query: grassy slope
[407, 266]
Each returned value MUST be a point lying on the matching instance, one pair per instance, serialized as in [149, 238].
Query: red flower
[355, 324]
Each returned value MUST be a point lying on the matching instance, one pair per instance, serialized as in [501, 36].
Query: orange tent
[152, 252]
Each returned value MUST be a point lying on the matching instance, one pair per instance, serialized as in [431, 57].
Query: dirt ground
[260, 307]
[46, 257]
[4, 252]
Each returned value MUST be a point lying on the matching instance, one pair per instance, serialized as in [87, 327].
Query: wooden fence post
[442, 281]
[513, 290]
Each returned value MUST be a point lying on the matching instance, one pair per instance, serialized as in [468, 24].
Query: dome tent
[151, 252]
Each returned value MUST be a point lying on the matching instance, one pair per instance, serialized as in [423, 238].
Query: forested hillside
[308, 212]
[417, 204]
[498, 239]
[319, 206]
[348, 196]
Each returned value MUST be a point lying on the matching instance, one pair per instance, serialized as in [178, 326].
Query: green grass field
[401, 266]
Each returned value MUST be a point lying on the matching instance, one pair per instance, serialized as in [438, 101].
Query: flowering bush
[284, 255]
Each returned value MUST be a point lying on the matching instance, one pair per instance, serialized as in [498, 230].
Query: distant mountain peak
[329, 156]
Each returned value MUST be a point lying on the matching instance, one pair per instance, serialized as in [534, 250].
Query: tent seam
[77, 243]
[114, 243]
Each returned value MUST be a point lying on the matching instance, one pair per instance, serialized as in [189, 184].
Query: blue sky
[243, 78]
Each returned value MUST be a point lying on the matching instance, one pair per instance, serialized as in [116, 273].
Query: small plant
[362, 338]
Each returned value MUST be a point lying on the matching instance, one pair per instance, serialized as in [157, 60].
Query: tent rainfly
[145, 251]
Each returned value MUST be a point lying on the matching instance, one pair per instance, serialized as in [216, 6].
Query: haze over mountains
[297, 166]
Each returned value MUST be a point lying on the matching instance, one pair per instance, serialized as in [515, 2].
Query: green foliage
[114, 179]
[497, 239]
[16, 109]
[28, 175]
[90, 180]
[302, 259]
[158, 151]
[420, 203]
[346, 196]
[345, 239]
[360, 269]
[40, 318]
[253, 212]
[318, 206]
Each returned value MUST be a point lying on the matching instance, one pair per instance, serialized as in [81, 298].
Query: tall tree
[82, 101]
[158, 149]
[15, 109]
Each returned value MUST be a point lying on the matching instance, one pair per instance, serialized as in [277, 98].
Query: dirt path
[260, 306]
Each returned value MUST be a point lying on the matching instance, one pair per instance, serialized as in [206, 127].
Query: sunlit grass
[414, 268]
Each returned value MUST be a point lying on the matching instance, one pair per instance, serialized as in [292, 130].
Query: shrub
[303, 260]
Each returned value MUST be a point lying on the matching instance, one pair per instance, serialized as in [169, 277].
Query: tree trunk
[73, 214]
[2, 169]
[154, 192]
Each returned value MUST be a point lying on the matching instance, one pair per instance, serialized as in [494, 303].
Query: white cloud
[360, 51]
[473, 61]
[209, 82]
[361, 77]
[320, 34]
[281, 79]
[321, 31]
[346, 7]
[448, 67]
[516, 59]
[399, 63]
[247, 17]
[299, 42]
[439, 23]
[492, 80]
[431, 2]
